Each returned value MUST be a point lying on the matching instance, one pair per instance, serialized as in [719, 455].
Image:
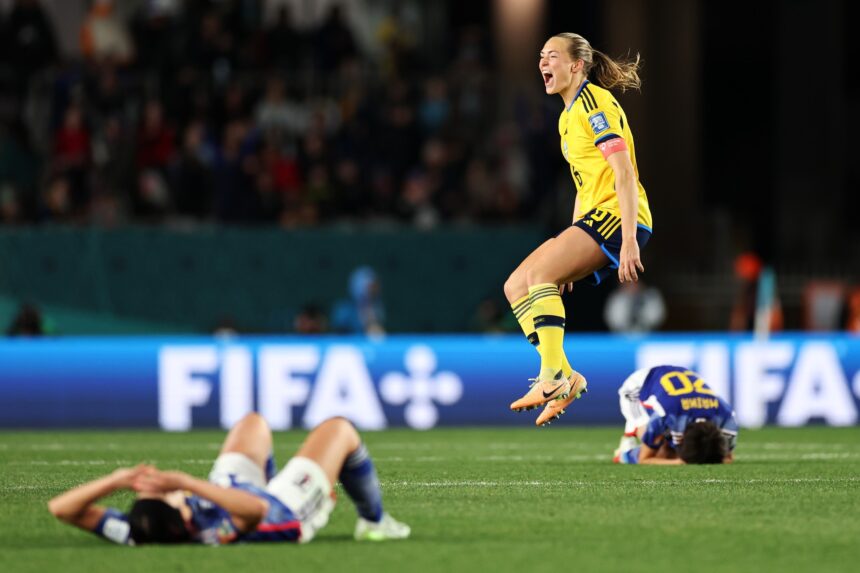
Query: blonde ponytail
[608, 73]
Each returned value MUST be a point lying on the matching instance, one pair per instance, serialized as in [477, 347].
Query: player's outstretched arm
[628, 202]
[77, 506]
[246, 509]
[650, 456]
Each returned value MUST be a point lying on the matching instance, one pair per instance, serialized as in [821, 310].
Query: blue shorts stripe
[608, 254]
[611, 245]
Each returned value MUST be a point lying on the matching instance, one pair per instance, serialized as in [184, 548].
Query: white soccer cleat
[387, 528]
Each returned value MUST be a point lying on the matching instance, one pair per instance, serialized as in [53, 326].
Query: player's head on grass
[704, 443]
[156, 521]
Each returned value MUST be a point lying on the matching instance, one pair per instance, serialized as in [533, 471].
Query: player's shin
[361, 483]
[522, 309]
[549, 320]
[271, 467]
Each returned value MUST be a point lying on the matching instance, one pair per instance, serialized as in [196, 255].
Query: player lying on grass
[677, 417]
[242, 500]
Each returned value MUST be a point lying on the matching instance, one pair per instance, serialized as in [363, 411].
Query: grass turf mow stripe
[482, 499]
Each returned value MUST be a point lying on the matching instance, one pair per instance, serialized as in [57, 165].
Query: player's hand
[629, 262]
[123, 478]
[562, 286]
[156, 481]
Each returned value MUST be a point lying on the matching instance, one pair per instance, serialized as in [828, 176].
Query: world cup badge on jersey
[303, 481]
[564, 148]
[598, 123]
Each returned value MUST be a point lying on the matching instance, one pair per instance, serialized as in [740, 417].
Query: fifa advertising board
[178, 383]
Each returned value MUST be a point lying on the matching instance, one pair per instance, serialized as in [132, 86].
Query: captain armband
[612, 145]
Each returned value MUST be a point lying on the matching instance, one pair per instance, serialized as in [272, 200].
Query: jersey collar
[576, 97]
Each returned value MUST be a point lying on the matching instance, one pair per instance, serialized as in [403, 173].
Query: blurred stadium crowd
[206, 111]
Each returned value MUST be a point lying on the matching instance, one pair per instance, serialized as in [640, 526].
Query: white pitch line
[798, 446]
[624, 482]
[555, 458]
[478, 484]
[96, 462]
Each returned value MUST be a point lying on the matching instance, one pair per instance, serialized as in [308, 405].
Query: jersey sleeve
[114, 527]
[602, 120]
[730, 431]
[654, 431]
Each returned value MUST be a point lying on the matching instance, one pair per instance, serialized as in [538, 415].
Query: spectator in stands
[192, 176]
[27, 322]
[634, 308]
[490, 317]
[155, 139]
[310, 320]
[213, 49]
[278, 147]
[104, 37]
[106, 94]
[284, 45]
[19, 169]
[852, 311]
[435, 106]
[29, 40]
[159, 37]
[748, 268]
[113, 174]
[236, 198]
[10, 205]
[363, 312]
[55, 206]
[335, 41]
[277, 113]
[72, 154]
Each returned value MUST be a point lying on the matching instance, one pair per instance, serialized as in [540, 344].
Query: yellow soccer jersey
[595, 118]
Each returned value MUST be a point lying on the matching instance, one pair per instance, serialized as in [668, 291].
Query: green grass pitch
[481, 500]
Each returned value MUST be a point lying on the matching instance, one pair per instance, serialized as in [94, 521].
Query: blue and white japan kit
[666, 399]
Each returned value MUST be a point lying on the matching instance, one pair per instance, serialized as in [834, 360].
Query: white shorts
[635, 415]
[302, 486]
[239, 467]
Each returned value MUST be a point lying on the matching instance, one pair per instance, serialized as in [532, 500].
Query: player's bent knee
[536, 276]
[341, 428]
[336, 423]
[253, 421]
[515, 287]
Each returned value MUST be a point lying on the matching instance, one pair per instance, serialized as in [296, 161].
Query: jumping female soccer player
[611, 217]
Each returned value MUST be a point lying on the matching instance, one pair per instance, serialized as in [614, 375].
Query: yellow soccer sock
[524, 314]
[548, 312]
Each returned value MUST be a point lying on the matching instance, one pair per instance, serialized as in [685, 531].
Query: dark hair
[703, 443]
[154, 521]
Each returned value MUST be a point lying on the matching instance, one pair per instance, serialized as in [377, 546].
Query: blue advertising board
[179, 383]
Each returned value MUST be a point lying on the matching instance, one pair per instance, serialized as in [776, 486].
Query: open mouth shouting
[548, 79]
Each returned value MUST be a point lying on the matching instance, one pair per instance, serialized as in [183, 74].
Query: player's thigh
[252, 437]
[329, 444]
[571, 256]
[516, 286]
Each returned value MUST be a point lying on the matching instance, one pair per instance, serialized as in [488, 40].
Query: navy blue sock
[359, 479]
[271, 467]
